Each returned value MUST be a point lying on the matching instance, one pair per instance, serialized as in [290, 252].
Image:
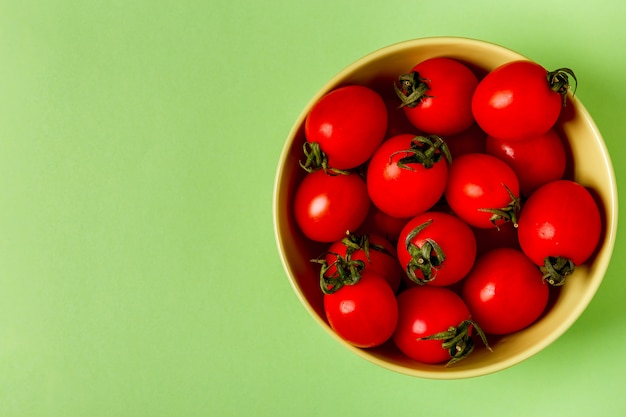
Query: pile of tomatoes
[447, 211]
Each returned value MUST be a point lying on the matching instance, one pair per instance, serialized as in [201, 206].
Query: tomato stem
[426, 259]
[347, 270]
[355, 242]
[411, 88]
[424, 150]
[508, 213]
[458, 340]
[556, 269]
[559, 81]
[316, 159]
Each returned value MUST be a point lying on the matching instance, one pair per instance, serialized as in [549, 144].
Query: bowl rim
[601, 263]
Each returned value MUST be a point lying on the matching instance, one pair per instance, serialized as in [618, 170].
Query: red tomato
[407, 174]
[559, 228]
[364, 314]
[434, 325]
[505, 291]
[348, 124]
[374, 252]
[482, 190]
[328, 206]
[536, 160]
[437, 96]
[520, 99]
[436, 248]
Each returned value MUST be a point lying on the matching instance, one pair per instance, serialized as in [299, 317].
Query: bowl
[589, 164]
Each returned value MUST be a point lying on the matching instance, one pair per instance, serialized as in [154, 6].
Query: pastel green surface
[139, 275]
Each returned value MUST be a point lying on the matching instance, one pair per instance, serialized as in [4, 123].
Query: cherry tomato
[482, 190]
[374, 252]
[505, 291]
[407, 174]
[437, 96]
[364, 314]
[520, 99]
[347, 124]
[328, 206]
[536, 160]
[436, 248]
[559, 227]
[434, 325]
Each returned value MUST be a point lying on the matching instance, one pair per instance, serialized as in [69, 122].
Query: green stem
[426, 259]
[509, 213]
[355, 242]
[424, 150]
[458, 340]
[316, 159]
[347, 272]
[559, 81]
[411, 89]
[556, 269]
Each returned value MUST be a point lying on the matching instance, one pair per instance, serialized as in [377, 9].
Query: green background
[139, 274]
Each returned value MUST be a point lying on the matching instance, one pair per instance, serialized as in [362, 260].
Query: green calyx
[425, 260]
[355, 242]
[316, 159]
[556, 269]
[458, 340]
[559, 81]
[508, 213]
[424, 150]
[411, 89]
[347, 271]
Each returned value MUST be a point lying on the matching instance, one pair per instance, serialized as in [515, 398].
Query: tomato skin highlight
[453, 236]
[560, 219]
[425, 311]
[348, 123]
[536, 160]
[446, 107]
[403, 192]
[515, 101]
[505, 291]
[328, 206]
[479, 182]
[364, 314]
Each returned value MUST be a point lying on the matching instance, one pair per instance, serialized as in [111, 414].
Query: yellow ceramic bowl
[589, 164]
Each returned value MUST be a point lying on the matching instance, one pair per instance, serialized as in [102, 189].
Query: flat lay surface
[139, 270]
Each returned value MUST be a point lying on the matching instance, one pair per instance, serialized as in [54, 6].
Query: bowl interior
[378, 70]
